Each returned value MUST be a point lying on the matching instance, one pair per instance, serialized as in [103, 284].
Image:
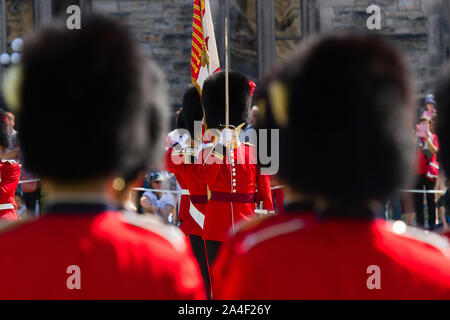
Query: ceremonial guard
[9, 176]
[229, 166]
[84, 247]
[341, 104]
[181, 159]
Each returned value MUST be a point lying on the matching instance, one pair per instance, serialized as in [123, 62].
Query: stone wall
[1, 31]
[164, 29]
[414, 26]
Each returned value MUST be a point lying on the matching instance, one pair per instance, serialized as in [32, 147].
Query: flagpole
[227, 100]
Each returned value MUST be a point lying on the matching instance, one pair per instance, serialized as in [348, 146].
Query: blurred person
[21, 208]
[85, 246]
[254, 111]
[443, 205]
[229, 166]
[330, 232]
[430, 106]
[12, 152]
[427, 169]
[159, 203]
[181, 159]
[250, 128]
[9, 175]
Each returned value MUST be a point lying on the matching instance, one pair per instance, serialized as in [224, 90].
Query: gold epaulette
[217, 155]
[248, 144]
[189, 154]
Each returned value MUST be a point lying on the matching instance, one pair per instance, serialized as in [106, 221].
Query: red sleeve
[264, 191]
[210, 167]
[10, 179]
[173, 162]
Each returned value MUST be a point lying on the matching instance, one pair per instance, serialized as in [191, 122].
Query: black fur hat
[91, 104]
[192, 108]
[342, 105]
[213, 99]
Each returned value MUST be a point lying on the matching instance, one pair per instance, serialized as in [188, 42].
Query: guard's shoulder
[8, 226]
[433, 239]
[155, 224]
[246, 226]
[9, 162]
[268, 231]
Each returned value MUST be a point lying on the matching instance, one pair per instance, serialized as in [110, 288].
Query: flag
[204, 57]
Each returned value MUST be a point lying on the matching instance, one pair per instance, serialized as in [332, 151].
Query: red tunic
[293, 256]
[119, 257]
[421, 161]
[229, 176]
[180, 164]
[9, 179]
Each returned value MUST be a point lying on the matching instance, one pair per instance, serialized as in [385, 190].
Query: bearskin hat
[91, 104]
[192, 109]
[213, 99]
[342, 104]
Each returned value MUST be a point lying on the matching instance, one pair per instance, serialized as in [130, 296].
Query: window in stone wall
[277, 22]
[19, 19]
[243, 41]
[288, 26]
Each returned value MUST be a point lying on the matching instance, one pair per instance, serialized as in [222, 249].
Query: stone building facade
[263, 31]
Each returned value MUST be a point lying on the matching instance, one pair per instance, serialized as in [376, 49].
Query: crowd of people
[209, 223]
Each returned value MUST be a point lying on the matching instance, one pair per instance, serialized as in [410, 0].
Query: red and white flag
[204, 57]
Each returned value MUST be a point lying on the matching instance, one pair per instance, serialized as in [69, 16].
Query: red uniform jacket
[295, 256]
[184, 168]
[9, 179]
[119, 256]
[236, 186]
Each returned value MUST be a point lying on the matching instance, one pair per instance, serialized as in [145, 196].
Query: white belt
[5, 206]
[197, 215]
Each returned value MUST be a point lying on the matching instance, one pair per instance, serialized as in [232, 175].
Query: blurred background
[261, 31]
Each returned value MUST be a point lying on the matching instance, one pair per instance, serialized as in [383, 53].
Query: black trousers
[421, 182]
[212, 249]
[198, 247]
